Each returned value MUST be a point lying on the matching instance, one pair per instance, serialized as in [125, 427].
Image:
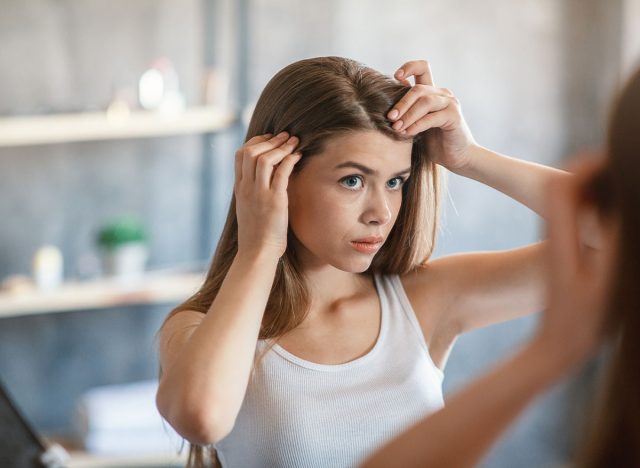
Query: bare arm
[206, 359]
[461, 433]
[578, 283]
[481, 288]
[490, 287]
[521, 180]
[438, 113]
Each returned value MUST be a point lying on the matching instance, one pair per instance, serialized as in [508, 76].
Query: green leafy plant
[121, 231]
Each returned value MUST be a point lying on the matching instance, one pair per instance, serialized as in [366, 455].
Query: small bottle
[159, 88]
[48, 267]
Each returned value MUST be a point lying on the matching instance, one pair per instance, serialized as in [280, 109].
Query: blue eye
[400, 181]
[352, 181]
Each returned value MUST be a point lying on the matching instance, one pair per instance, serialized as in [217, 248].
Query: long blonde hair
[316, 99]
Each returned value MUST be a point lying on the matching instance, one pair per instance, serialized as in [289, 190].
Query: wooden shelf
[59, 128]
[152, 288]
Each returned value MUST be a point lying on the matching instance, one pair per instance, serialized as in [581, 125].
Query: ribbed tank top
[298, 413]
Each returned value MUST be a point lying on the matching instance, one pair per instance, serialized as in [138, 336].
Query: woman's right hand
[263, 166]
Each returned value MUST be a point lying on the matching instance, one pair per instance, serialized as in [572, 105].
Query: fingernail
[282, 134]
[393, 114]
[398, 125]
[293, 139]
[400, 73]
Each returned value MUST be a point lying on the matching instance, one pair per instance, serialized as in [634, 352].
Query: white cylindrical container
[48, 267]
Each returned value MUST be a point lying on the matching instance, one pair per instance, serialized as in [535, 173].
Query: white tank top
[300, 414]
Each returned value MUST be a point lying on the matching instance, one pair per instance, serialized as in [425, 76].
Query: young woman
[594, 292]
[322, 328]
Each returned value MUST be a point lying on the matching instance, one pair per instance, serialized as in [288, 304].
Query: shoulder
[428, 293]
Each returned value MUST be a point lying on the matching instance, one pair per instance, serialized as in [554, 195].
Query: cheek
[396, 206]
[322, 218]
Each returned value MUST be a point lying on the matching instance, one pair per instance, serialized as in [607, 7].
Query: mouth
[366, 247]
[370, 240]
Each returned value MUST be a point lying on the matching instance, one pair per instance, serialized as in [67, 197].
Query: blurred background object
[82, 141]
[124, 245]
[123, 420]
[159, 88]
[48, 267]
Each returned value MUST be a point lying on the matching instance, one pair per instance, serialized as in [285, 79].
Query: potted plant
[124, 246]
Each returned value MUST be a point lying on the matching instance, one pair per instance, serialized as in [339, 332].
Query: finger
[267, 161]
[283, 172]
[409, 98]
[258, 139]
[420, 108]
[267, 145]
[239, 154]
[418, 68]
[438, 119]
[446, 92]
[251, 152]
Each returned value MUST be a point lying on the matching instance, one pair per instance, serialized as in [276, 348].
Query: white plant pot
[126, 262]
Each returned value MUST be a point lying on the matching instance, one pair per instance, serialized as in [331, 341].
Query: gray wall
[63, 56]
[534, 77]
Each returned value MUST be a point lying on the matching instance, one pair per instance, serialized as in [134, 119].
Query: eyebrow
[367, 170]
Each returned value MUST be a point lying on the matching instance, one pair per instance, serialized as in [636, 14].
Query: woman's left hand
[435, 111]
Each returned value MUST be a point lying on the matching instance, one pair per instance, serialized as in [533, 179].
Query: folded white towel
[123, 419]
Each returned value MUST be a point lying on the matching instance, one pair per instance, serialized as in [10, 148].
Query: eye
[400, 182]
[351, 180]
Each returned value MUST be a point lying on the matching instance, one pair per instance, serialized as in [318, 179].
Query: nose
[378, 209]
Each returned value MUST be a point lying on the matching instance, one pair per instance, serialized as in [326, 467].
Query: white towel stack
[123, 420]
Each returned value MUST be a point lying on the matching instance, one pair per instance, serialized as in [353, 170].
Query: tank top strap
[402, 317]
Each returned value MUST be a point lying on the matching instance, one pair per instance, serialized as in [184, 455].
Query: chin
[353, 265]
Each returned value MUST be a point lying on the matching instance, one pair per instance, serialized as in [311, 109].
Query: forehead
[371, 148]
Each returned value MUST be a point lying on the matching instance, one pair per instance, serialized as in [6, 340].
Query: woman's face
[352, 190]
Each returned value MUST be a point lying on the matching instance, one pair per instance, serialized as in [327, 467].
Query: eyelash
[402, 181]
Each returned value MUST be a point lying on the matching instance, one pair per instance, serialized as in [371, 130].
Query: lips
[369, 240]
[368, 245]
